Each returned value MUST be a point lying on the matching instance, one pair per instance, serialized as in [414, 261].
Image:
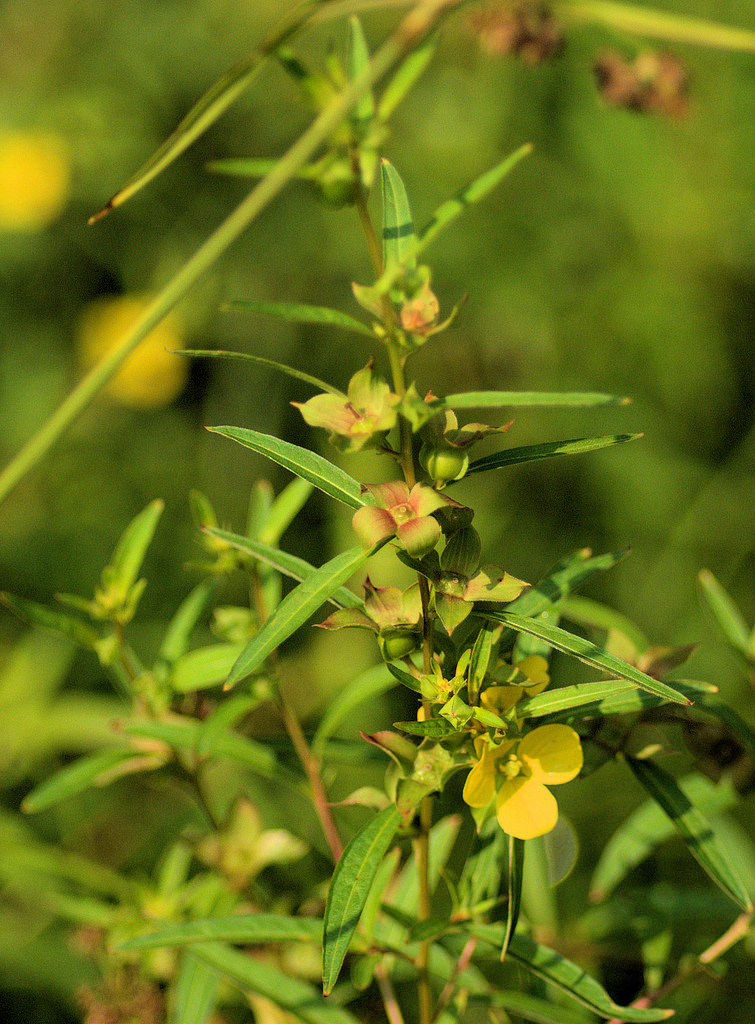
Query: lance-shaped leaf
[194, 991]
[304, 463]
[649, 825]
[296, 608]
[292, 994]
[205, 667]
[300, 313]
[404, 78]
[549, 966]
[727, 615]
[290, 371]
[126, 561]
[566, 575]
[290, 565]
[349, 888]
[49, 618]
[398, 226]
[244, 929]
[180, 627]
[589, 653]
[577, 695]
[75, 778]
[365, 687]
[358, 60]
[515, 878]
[587, 612]
[534, 452]
[693, 826]
[529, 399]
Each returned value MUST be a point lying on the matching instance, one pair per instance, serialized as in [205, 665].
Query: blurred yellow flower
[152, 376]
[35, 180]
[517, 772]
[534, 669]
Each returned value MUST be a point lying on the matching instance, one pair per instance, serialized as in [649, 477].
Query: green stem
[409, 33]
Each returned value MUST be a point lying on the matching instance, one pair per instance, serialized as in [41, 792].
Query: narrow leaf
[290, 371]
[245, 929]
[357, 64]
[205, 667]
[290, 565]
[514, 880]
[434, 728]
[225, 716]
[296, 608]
[537, 399]
[350, 887]
[534, 452]
[398, 226]
[725, 612]
[589, 653]
[182, 624]
[694, 828]
[301, 314]
[569, 697]
[366, 687]
[304, 463]
[284, 510]
[74, 779]
[254, 167]
[539, 1011]
[49, 618]
[194, 992]
[549, 966]
[404, 78]
[648, 826]
[130, 550]
[587, 612]
[290, 993]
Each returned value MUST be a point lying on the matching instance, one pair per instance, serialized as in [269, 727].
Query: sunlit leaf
[304, 463]
[550, 449]
[349, 888]
[398, 226]
[729, 618]
[294, 610]
[244, 929]
[529, 399]
[194, 993]
[177, 635]
[204, 667]
[126, 560]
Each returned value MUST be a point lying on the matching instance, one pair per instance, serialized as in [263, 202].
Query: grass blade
[290, 371]
[301, 461]
[589, 653]
[534, 452]
[350, 887]
[246, 929]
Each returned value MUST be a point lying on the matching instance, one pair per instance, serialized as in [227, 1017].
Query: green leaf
[725, 612]
[123, 570]
[537, 399]
[589, 653]
[254, 167]
[74, 779]
[244, 929]
[299, 313]
[514, 883]
[366, 687]
[539, 1011]
[587, 612]
[435, 728]
[205, 667]
[481, 875]
[292, 994]
[649, 825]
[694, 828]
[284, 510]
[404, 78]
[357, 64]
[674, 28]
[290, 565]
[398, 226]
[296, 608]
[568, 574]
[49, 618]
[225, 716]
[181, 626]
[194, 992]
[569, 697]
[304, 463]
[549, 966]
[533, 452]
[185, 735]
[290, 371]
[350, 887]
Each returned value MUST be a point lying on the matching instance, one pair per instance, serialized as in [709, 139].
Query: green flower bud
[397, 643]
[445, 463]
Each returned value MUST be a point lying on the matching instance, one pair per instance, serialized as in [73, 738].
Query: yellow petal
[535, 667]
[479, 789]
[501, 698]
[553, 754]
[525, 808]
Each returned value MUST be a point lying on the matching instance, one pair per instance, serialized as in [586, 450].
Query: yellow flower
[35, 178]
[503, 698]
[153, 375]
[517, 772]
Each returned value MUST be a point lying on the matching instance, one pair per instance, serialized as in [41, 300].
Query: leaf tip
[101, 214]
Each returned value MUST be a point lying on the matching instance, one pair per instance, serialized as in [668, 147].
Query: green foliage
[255, 878]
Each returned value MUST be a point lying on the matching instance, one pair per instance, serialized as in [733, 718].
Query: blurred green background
[619, 257]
